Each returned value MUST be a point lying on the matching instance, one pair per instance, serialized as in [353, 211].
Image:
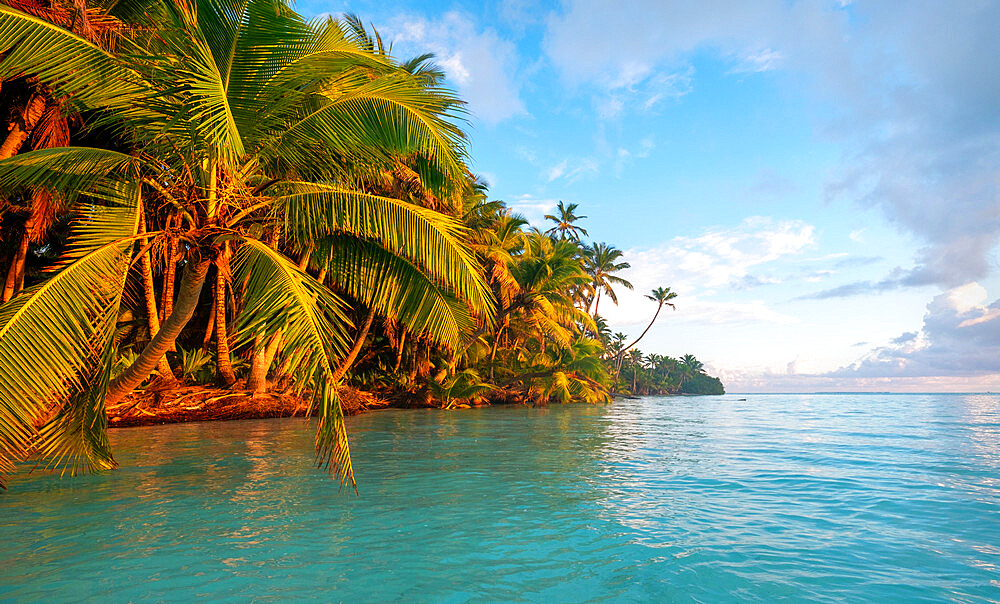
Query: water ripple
[815, 497]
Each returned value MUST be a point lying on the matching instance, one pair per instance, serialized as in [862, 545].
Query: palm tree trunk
[170, 274]
[261, 363]
[624, 350]
[152, 317]
[358, 343]
[210, 329]
[187, 300]
[8, 287]
[224, 363]
[21, 128]
[15, 276]
[597, 302]
[399, 351]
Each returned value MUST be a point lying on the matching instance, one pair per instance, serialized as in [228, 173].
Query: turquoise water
[819, 497]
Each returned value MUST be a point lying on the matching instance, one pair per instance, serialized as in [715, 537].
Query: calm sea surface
[818, 497]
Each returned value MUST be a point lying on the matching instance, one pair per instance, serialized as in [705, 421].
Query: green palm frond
[376, 120]
[53, 340]
[190, 110]
[396, 289]
[68, 171]
[428, 238]
[281, 298]
[87, 76]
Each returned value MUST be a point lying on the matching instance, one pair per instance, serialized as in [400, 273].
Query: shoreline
[199, 403]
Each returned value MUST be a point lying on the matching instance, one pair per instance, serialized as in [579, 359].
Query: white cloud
[533, 209]
[757, 62]
[572, 170]
[913, 94]
[695, 266]
[557, 170]
[478, 62]
[960, 337]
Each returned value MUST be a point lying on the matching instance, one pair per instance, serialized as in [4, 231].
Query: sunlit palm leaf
[71, 66]
[53, 339]
[430, 239]
[396, 289]
[281, 298]
[68, 171]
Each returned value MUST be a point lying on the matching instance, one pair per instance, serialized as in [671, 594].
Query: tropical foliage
[206, 190]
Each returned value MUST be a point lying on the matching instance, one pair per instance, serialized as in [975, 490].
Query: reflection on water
[820, 497]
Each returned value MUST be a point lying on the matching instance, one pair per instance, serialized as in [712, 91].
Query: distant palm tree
[690, 366]
[601, 261]
[564, 222]
[662, 296]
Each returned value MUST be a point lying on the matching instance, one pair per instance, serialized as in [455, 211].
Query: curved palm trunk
[187, 300]
[597, 302]
[621, 354]
[152, 317]
[358, 343]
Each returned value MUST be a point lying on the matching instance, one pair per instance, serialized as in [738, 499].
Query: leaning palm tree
[602, 263]
[256, 126]
[564, 222]
[660, 295]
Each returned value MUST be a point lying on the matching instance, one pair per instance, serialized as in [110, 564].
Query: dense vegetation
[221, 191]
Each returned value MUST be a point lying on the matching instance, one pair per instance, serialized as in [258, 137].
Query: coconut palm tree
[256, 126]
[564, 222]
[662, 296]
[601, 262]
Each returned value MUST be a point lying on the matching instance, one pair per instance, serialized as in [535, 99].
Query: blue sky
[817, 180]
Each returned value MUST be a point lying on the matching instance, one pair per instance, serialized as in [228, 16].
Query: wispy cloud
[532, 208]
[757, 61]
[481, 64]
[696, 266]
[572, 170]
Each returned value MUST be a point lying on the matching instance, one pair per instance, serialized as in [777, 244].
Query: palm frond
[429, 239]
[396, 289]
[68, 171]
[53, 340]
[72, 67]
[281, 298]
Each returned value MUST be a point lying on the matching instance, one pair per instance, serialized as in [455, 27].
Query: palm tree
[564, 222]
[662, 296]
[689, 366]
[256, 126]
[601, 262]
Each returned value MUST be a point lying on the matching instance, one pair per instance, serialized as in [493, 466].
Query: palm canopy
[255, 125]
[602, 263]
[564, 220]
[662, 296]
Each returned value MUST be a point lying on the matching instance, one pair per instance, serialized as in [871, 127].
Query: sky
[818, 181]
